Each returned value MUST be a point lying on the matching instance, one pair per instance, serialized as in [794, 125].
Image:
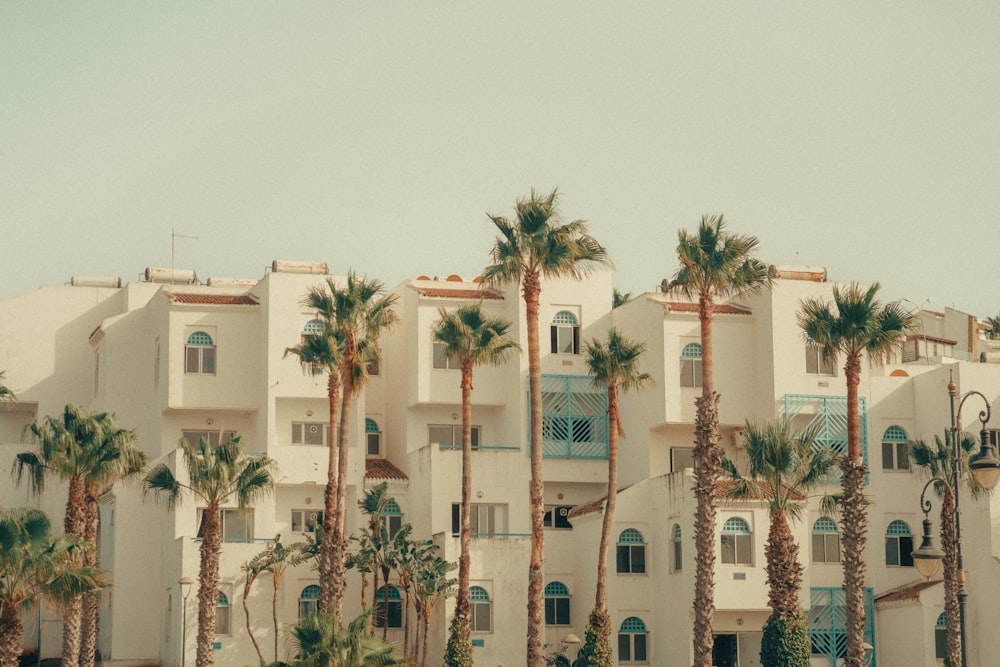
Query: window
[222, 615]
[632, 641]
[737, 542]
[392, 518]
[485, 520]
[574, 418]
[631, 552]
[681, 458]
[199, 354]
[898, 545]
[310, 433]
[565, 333]
[373, 439]
[825, 541]
[312, 328]
[442, 360]
[895, 449]
[306, 521]
[451, 435]
[691, 365]
[815, 365]
[556, 604]
[557, 516]
[309, 600]
[941, 637]
[481, 609]
[675, 545]
[213, 438]
[236, 524]
[388, 612]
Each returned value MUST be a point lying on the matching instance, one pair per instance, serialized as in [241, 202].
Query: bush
[459, 650]
[596, 650]
[785, 642]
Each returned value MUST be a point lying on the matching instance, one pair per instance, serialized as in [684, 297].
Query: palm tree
[615, 366]
[34, 566]
[6, 395]
[90, 453]
[714, 265]
[324, 353]
[321, 642]
[470, 338]
[252, 569]
[539, 244]
[429, 574]
[619, 298]
[855, 324]
[214, 478]
[992, 334]
[937, 463]
[363, 313]
[279, 558]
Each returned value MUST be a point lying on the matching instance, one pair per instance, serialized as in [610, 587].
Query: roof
[212, 299]
[933, 339]
[382, 469]
[718, 309]
[588, 508]
[905, 593]
[458, 293]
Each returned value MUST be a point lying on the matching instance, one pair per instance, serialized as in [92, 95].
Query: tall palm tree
[363, 313]
[854, 324]
[90, 453]
[471, 338]
[321, 353]
[252, 569]
[279, 558]
[34, 566]
[714, 265]
[214, 478]
[615, 366]
[936, 461]
[320, 641]
[539, 244]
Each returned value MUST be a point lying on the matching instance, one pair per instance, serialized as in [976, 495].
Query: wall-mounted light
[309, 413]
[209, 421]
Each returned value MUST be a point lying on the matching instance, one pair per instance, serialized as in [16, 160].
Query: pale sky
[862, 137]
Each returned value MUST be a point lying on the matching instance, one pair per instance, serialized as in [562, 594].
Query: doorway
[725, 651]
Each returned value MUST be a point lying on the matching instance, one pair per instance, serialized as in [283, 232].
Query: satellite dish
[664, 285]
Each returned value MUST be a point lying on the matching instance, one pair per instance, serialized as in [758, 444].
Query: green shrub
[596, 650]
[459, 650]
[785, 642]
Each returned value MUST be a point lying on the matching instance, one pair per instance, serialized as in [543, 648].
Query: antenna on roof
[174, 235]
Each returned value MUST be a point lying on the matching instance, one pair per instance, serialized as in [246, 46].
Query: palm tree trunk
[246, 614]
[601, 601]
[784, 573]
[11, 630]
[90, 603]
[949, 543]
[708, 467]
[338, 570]
[74, 524]
[531, 290]
[274, 613]
[326, 545]
[385, 606]
[427, 626]
[854, 521]
[208, 584]
[461, 619]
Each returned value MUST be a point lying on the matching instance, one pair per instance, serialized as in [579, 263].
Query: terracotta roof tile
[905, 593]
[456, 293]
[382, 469]
[212, 299]
[718, 309]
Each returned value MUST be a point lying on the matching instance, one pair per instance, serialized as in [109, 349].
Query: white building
[182, 360]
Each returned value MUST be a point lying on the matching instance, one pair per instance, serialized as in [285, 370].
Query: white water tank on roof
[231, 282]
[95, 281]
[284, 266]
[171, 276]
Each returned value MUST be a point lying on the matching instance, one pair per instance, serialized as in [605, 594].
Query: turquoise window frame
[574, 418]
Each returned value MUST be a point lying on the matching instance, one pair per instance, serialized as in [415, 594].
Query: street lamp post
[986, 470]
[185, 584]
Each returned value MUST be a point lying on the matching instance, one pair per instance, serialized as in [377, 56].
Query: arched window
[312, 328]
[308, 600]
[675, 546]
[565, 333]
[633, 638]
[392, 518]
[631, 552]
[222, 615]
[737, 542]
[898, 544]
[941, 637]
[373, 438]
[691, 365]
[199, 354]
[481, 609]
[825, 541]
[556, 604]
[388, 612]
[895, 449]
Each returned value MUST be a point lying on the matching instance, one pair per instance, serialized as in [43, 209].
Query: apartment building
[177, 359]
